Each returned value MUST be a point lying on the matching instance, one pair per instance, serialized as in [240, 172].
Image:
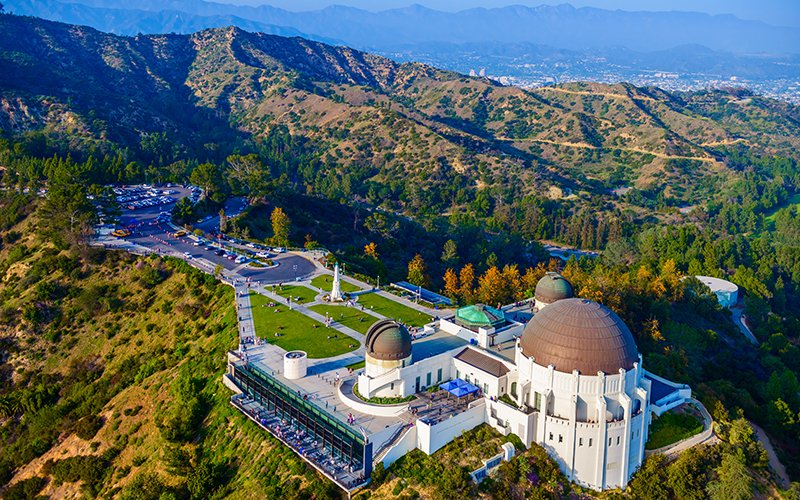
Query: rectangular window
[551, 436]
[617, 440]
[590, 442]
[458, 374]
[580, 441]
[485, 388]
[560, 438]
[428, 379]
[609, 441]
[537, 401]
[439, 375]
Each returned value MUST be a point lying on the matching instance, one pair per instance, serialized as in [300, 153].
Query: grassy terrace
[305, 294]
[394, 310]
[672, 427]
[348, 316]
[325, 282]
[297, 331]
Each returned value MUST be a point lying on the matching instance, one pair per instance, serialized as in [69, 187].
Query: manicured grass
[298, 332]
[348, 316]
[357, 366]
[392, 309]
[325, 282]
[672, 427]
[294, 291]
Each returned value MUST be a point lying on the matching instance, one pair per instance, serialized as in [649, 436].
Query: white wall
[407, 443]
[513, 421]
[431, 438]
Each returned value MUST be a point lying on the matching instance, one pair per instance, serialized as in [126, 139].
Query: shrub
[87, 427]
[25, 489]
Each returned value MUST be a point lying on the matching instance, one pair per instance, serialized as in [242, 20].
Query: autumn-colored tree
[531, 278]
[280, 227]
[466, 279]
[512, 284]
[672, 280]
[491, 286]
[371, 250]
[309, 243]
[451, 288]
[417, 271]
[653, 330]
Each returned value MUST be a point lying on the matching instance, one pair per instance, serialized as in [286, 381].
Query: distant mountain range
[560, 26]
[528, 44]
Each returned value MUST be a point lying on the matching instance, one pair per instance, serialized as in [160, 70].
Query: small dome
[578, 334]
[480, 316]
[553, 287]
[388, 340]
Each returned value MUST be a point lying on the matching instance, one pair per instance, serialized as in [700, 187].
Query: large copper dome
[578, 334]
[388, 340]
[552, 287]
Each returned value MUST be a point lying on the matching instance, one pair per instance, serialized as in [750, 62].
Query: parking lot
[151, 229]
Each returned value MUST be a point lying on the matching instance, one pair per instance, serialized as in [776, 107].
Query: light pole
[294, 268]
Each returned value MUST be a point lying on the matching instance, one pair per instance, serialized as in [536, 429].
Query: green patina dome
[553, 287]
[388, 340]
[480, 316]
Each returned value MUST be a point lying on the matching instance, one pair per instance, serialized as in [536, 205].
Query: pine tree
[450, 253]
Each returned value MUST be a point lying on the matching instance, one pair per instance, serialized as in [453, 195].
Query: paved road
[232, 207]
[737, 315]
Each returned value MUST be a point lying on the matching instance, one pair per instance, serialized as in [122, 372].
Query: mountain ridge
[364, 113]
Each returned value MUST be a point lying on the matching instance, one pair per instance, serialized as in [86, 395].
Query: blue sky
[777, 12]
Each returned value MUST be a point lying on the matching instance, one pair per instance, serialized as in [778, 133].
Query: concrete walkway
[775, 464]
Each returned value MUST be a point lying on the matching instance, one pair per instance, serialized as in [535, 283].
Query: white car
[241, 259]
[187, 255]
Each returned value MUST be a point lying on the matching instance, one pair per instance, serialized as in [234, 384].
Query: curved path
[774, 462]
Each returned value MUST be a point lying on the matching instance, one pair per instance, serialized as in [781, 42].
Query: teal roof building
[480, 316]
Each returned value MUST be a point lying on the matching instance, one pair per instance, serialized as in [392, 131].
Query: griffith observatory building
[555, 370]
[573, 373]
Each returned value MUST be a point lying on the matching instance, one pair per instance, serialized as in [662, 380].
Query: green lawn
[294, 291]
[672, 427]
[352, 316]
[394, 310]
[298, 332]
[325, 282]
[793, 201]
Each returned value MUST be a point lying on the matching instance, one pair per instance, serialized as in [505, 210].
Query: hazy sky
[777, 12]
